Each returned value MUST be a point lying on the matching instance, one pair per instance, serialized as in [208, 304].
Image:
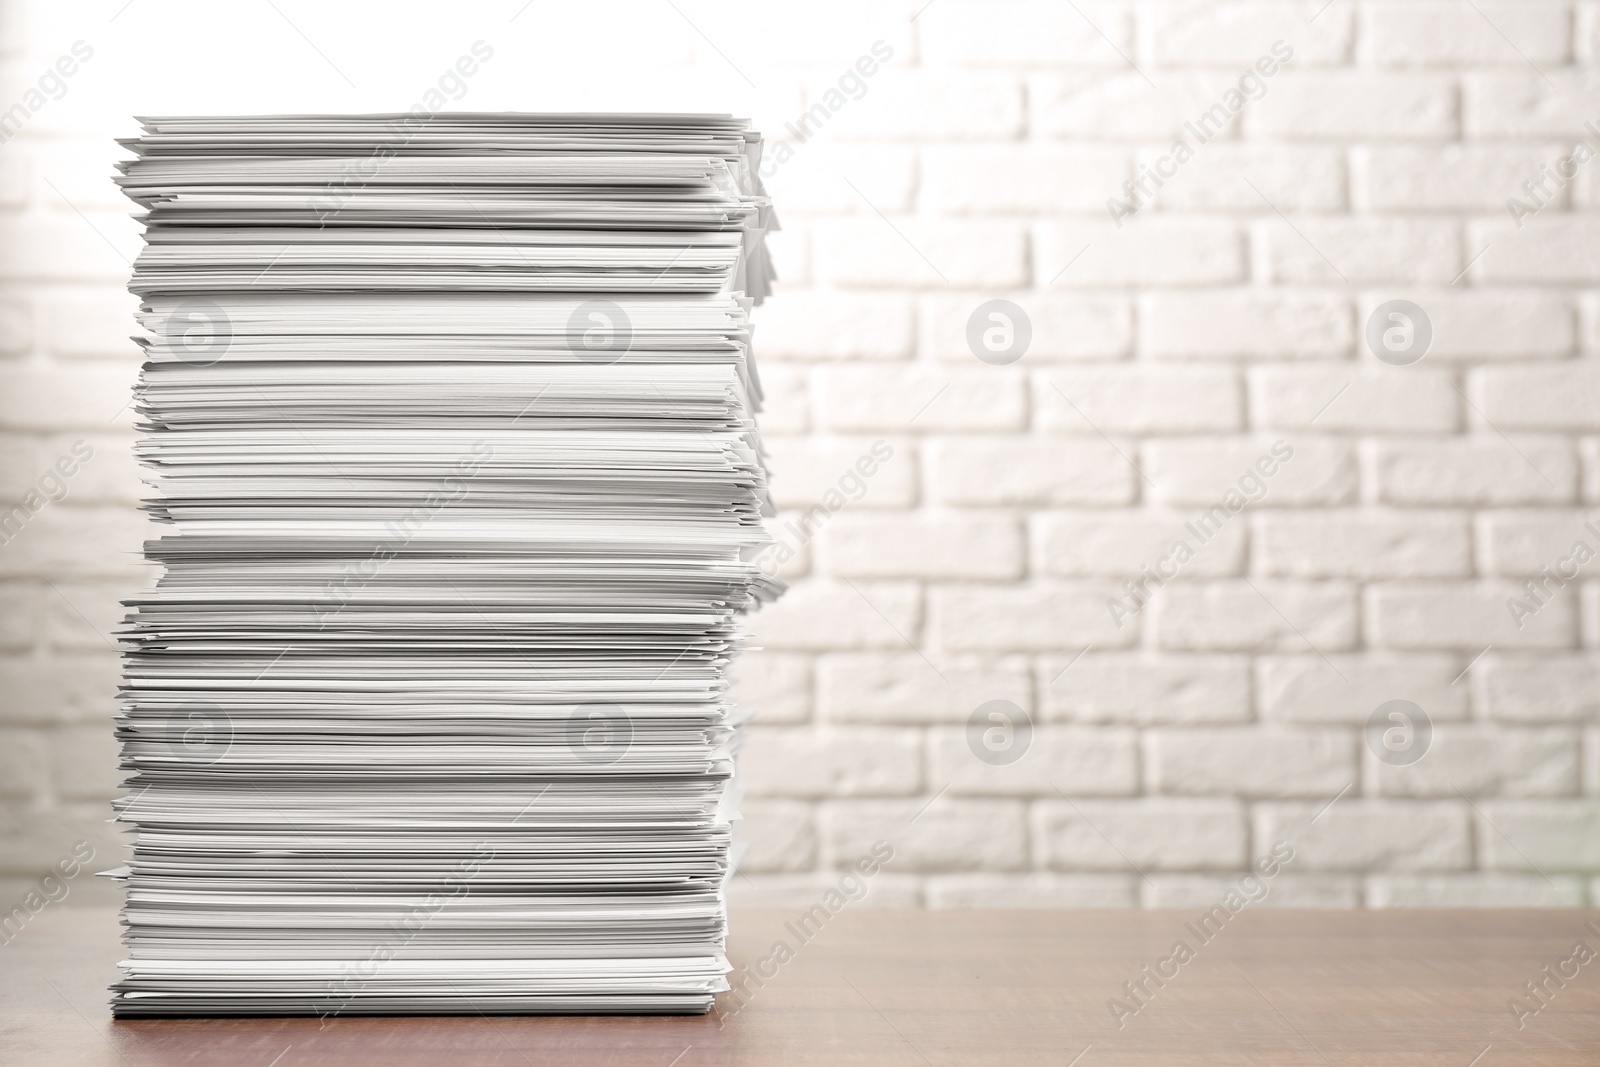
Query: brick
[1362, 544]
[62, 247]
[923, 397]
[83, 615]
[1554, 248]
[922, 544]
[85, 762]
[1361, 251]
[789, 251]
[951, 834]
[1445, 34]
[1034, 617]
[1451, 177]
[1078, 761]
[1589, 455]
[24, 763]
[775, 685]
[82, 396]
[1348, 688]
[1077, 105]
[1518, 543]
[32, 841]
[1122, 543]
[1336, 399]
[804, 470]
[902, 687]
[874, 251]
[1138, 399]
[829, 325]
[1273, 616]
[1463, 615]
[786, 398]
[1540, 396]
[109, 474]
[1245, 324]
[1481, 760]
[1487, 323]
[780, 835]
[60, 539]
[1032, 890]
[1291, 177]
[1357, 834]
[1064, 325]
[16, 327]
[1584, 189]
[1148, 834]
[1144, 689]
[1586, 34]
[64, 688]
[1521, 104]
[1363, 105]
[1143, 252]
[1020, 178]
[20, 614]
[22, 461]
[1589, 769]
[1540, 688]
[1011, 32]
[1539, 835]
[1285, 890]
[1200, 471]
[935, 104]
[1482, 469]
[1250, 761]
[820, 615]
[798, 892]
[1028, 470]
[788, 557]
[92, 324]
[1588, 596]
[1479, 889]
[812, 181]
[1236, 34]
[16, 172]
[824, 761]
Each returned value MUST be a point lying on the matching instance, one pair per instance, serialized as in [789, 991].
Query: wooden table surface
[1394, 988]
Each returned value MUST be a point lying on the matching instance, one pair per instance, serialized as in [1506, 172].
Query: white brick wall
[1167, 355]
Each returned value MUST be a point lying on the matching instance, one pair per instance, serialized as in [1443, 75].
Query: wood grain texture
[1395, 988]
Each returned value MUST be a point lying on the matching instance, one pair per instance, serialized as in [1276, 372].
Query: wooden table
[1393, 988]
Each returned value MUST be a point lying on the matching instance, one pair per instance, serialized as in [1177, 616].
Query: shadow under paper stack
[452, 421]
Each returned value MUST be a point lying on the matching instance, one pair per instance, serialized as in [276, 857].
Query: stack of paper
[452, 427]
